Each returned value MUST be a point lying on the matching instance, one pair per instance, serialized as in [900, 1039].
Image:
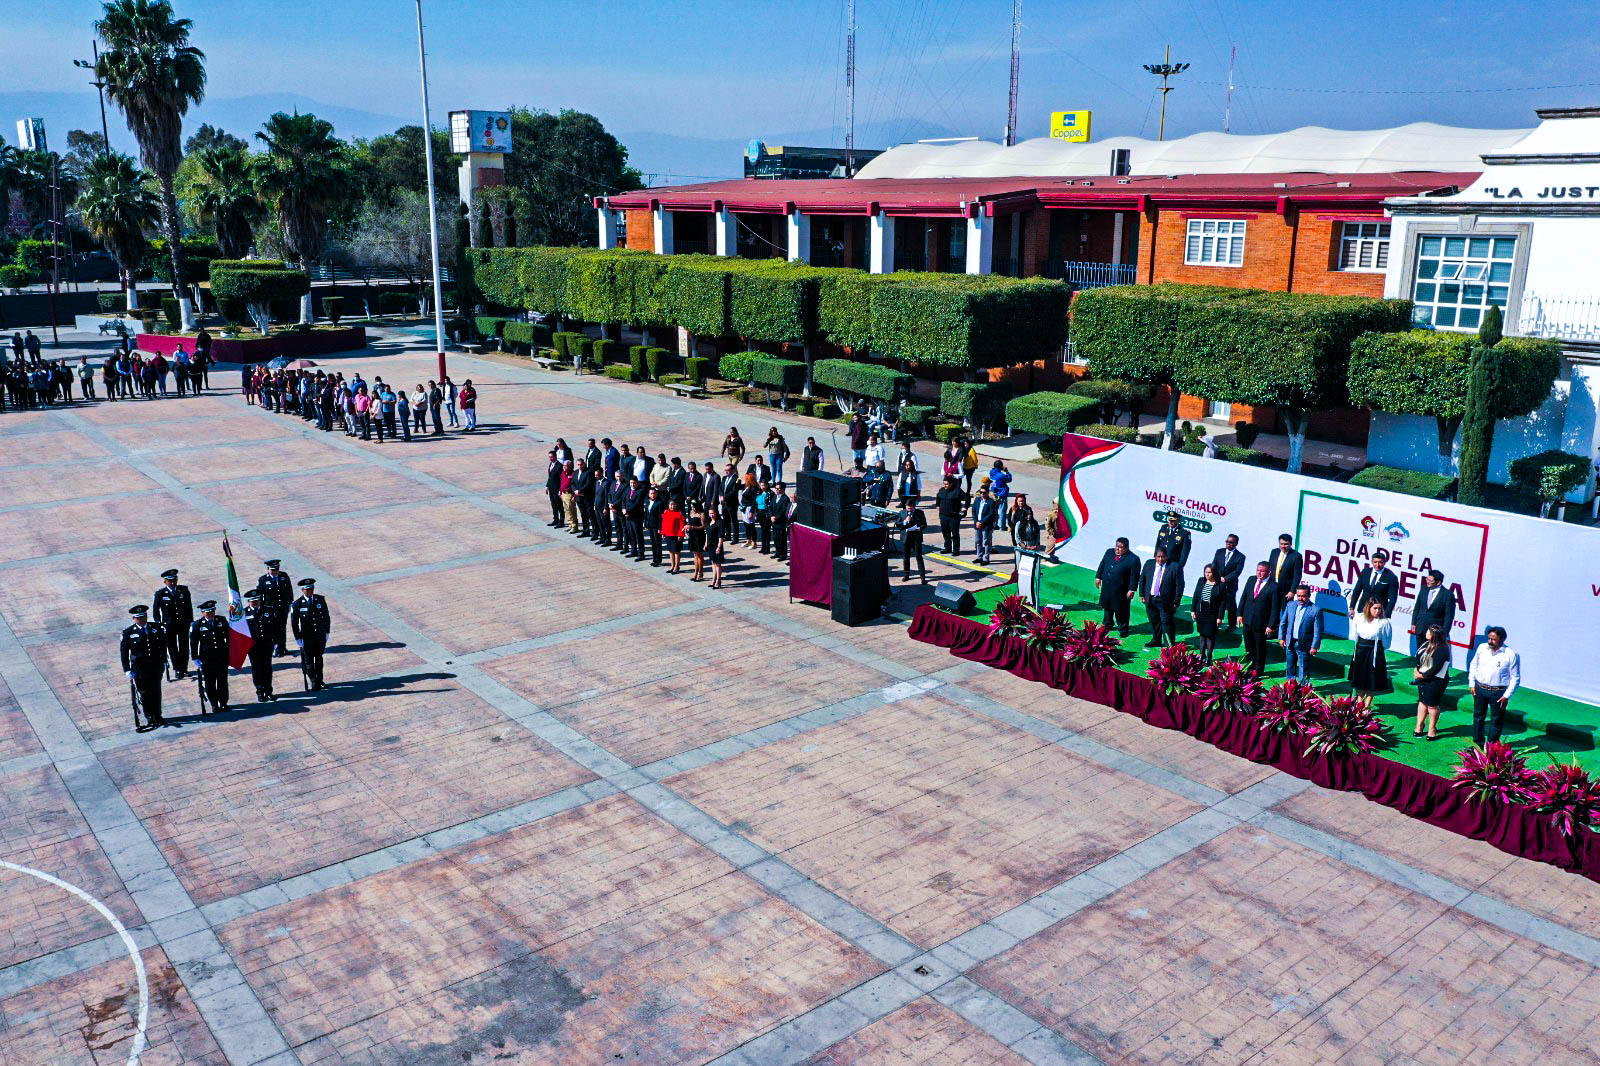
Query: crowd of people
[363, 408]
[28, 381]
[1275, 605]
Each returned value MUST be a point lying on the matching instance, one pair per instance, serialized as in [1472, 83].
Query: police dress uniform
[259, 619]
[144, 660]
[309, 617]
[173, 608]
[1176, 542]
[209, 638]
[277, 592]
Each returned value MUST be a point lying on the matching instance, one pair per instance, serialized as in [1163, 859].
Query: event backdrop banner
[1539, 579]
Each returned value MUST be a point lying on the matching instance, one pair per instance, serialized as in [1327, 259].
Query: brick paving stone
[598, 935]
[921, 1032]
[56, 482]
[41, 827]
[215, 403]
[1166, 748]
[286, 497]
[621, 423]
[199, 433]
[70, 527]
[1252, 948]
[249, 460]
[662, 697]
[239, 805]
[91, 1017]
[512, 462]
[1533, 886]
[48, 598]
[931, 819]
[885, 638]
[421, 535]
[16, 735]
[48, 446]
[487, 604]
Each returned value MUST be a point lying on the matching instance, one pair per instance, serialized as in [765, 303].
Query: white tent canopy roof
[1418, 146]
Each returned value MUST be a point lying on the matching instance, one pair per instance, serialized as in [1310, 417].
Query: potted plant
[1177, 669]
[1091, 646]
[1566, 793]
[1048, 630]
[1011, 617]
[1345, 726]
[1493, 772]
[1290, 709]
[1228, 686]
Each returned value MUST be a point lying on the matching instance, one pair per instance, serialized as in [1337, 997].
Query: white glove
[130, 675]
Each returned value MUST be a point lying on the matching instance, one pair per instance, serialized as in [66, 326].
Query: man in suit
[782, 511]
[633, 508]
[552, 488]
[1229, 564]
[610, 459]
[1376, 583]
[311, 628]
[1258, 607]
[1300, 633]
[209, 638]
[694, 486]
[655, 506]
[985, 516]
[677, 480]
[1285, 566]
[1435, 606]
[1117, 578]
[592, 457]
[144, 659]
[914, 524]
[174, 610]
[583, 496]
[277, 592]
[1174, 540]
[1161, 587]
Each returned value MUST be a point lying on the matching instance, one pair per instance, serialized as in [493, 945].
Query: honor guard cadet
[174, 610]
[208, 640]
[309, 616]
[1175, 540]
[260, 622]
[144, 660]
[276, 593]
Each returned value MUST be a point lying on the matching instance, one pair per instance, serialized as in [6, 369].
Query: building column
[608, 227]
[723, 235]
[1580, 430]
[799, 236]
[980, 243]
[881, 238]
[1116, 238]
[663, 227]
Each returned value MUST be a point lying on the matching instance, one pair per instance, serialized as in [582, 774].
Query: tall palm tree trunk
[169, 223]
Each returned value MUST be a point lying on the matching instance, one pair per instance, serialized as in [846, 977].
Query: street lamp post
[1164, 70]
[433, 208]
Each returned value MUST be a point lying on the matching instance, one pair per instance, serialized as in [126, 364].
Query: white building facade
[1524, 237]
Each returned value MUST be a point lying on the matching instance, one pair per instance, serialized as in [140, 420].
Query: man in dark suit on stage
[1259, 607]
[1284, 566]
[1435, 606]
[1117, 578]
[1376, 583]
[1161, 587]
[1229, 564]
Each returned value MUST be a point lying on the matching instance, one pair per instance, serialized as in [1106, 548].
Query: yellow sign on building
[1070, 126]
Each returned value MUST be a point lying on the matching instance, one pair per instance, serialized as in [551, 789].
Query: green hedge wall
[1418, 372]
[916, 415]
[970, 322]
[1105, 431]
[844, 306]
[498, 274]
[655, 361]
[786, 374]
[1523, 371]
[1549, 475]
[529, 335]
[697, 368]
[976, 402]
[737, 366]
[695, 292]
[1051, 413]
[256, 284]
[862, 379]
[636, 358]
[580, 350]
[1409, 482]
[622, 373]
[607, 352]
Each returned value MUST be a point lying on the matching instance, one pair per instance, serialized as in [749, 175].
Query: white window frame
[1363, 242]
[1217, 242]
[1453, 287]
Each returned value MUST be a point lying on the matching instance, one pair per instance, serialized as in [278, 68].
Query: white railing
[1560, 317]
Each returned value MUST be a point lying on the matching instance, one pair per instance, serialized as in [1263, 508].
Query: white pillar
[663, 230]
[1580, 429]
[723, 236]
[881, 239]
[608, 227]
[1116, 237]
[799, 237]
[980, 244]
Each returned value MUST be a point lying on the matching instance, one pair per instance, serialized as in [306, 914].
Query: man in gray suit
[1300, 633]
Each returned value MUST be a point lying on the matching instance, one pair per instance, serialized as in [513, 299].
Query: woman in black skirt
[697, 538]
[1205, 607]
[1431, 676]
[714, 547]
[1369, 667]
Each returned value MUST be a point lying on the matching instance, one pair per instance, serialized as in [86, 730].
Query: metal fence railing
[1081, 275]
[1560, 317]
[335, 273]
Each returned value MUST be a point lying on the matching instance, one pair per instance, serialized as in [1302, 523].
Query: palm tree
[224, 195]
[153, 74]
[117, 206]
[30, 176]
[303, 173]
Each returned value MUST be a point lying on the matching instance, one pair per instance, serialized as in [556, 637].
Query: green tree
[302, 175]
[83, 148]
[30, 178]
[384, 165]
[1419, 372]
[223, 196]
[153, 74]
[1509, 380]
[466, 290]
[1477, 429]
[485, 226]
[117, 206]
[209, 136]
[560, 163]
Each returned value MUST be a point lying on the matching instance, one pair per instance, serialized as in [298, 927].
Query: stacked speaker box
[827, 501]
[860, 587]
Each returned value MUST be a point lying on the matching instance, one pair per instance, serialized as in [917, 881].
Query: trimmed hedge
[844, 306]
[529, 335]
[1230, 453]
[697, 368]
[974, 402]
[918, 415]
[606, 352]
[106, 301]
[172, 313]
[1418, 372]
[969, 321]
[656, 360]
[1051, 413]
[580, 350]
[672, 379]
[558, 344]
[1114, 395]
[489, 327]
[621, 373]
[1409, 482]
[241, 284]
[1123, 434]
[333, 308]
[862, 379]
[1524, 370]
[636, 358]
[945, 432]
[395, 302]
[788, 375]
[738, 366]
[1549, 475]
[825, 409]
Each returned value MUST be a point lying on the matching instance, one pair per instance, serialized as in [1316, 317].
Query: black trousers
[146, 691]
[586, 512]
[1163, 621]
[635, 542]
[280, 632]
[1487, 714]
[950, 530]
[911, 548]
[764, 521]
[558, 513]
[1230, 606]
[311, 659]
[261, 671]
[655, 543]
[1256, 643]
[602, 523]
[214, 682]
[1116, 612]
[178, 646]
[780, 540]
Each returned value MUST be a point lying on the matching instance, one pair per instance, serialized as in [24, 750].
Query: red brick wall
[641, 230]
[1035, 242]
[1317, 260]
[1268, 244]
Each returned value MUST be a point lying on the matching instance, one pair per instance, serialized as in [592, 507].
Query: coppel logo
[1369, 526]
[1396, 531]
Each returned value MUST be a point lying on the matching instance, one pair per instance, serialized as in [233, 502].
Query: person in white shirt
[1495, 673]
[1369, 668]
[875, 453]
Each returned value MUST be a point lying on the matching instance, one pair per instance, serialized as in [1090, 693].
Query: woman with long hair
[696, 525]
[1369, 666]
[1431, 675]
[1205, 607]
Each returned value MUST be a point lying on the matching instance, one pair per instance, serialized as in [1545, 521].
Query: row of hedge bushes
[863, 379]
[247, 288]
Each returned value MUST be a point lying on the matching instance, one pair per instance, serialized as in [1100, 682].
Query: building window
[1215, 242]
[1458, 277]
[1364, 246]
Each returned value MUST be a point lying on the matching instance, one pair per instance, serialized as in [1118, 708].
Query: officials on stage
[1285, 565]
[1160, 589]
[1117, 578]
[1435, 606]
[1259, 606]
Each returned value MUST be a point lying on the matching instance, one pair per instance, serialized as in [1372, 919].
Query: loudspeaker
[828, 489]
[828, 517]
[860, 587]
[953, 598]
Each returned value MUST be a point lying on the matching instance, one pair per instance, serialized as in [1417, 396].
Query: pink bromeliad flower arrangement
[1493, 772]
[1228, 686]
[1345, 726]
[1011, 617]
[1567, 794]
[1092, 646]
[1177, 669]
[1290, 709]
[1048, 630]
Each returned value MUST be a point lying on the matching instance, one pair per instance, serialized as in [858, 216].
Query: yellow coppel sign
[1070, 126]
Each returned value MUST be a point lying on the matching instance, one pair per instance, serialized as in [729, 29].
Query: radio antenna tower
[850, 93]
[1016, 71]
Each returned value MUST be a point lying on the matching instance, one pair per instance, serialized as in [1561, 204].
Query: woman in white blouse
[1369, 668]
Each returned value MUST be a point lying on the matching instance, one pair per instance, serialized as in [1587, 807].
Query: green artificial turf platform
[1542, 726]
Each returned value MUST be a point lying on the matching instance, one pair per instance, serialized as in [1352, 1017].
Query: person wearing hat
[309, 616]
[144, 660]
[209, 638]
[174, 610]
[277, 592]
[259, 619]
[1174, 539]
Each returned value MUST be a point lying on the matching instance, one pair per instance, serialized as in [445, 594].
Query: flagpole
[433, 209]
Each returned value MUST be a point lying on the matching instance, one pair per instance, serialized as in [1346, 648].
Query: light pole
[1164, 70]
[433, 208]
[99, 87]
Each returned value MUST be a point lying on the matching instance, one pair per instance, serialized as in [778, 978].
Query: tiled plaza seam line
[238, 1022]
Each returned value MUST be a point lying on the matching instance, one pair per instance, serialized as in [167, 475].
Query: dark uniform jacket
[309, 619]
[583, 483]
[144, 648]
[1287, 575]
[1176, 542]
[780, 509]
[259, 620]
[172, 607]
[1117, 577]
[209, 639]
[1441, 612]
[277, 591]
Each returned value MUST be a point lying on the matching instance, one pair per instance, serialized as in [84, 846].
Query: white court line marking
[127, 941]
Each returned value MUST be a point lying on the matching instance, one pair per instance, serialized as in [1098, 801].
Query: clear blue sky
[720, 68]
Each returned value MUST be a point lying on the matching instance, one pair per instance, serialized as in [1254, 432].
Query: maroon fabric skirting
[1516, 830]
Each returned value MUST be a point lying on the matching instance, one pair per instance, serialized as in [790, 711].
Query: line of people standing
[362, 408]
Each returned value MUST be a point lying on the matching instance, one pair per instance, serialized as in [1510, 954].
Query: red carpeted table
[811, 553]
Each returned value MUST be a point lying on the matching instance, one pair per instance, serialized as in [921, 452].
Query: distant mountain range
[664, 158]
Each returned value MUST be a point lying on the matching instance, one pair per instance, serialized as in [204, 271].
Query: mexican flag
[239, 639]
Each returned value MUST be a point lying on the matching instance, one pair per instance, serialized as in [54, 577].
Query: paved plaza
[559, 807]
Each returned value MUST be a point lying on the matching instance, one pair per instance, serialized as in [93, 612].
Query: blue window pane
[1427, 268]
[1444, 316]
[1499, 271]
[1478, 247]
[1422, 316]
[1472, 294]
[1455, 246]
[1497, 295]
[1450, 294]
[1469, 317]
[1430, 245]
[1504, 247]
[1425, 290]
